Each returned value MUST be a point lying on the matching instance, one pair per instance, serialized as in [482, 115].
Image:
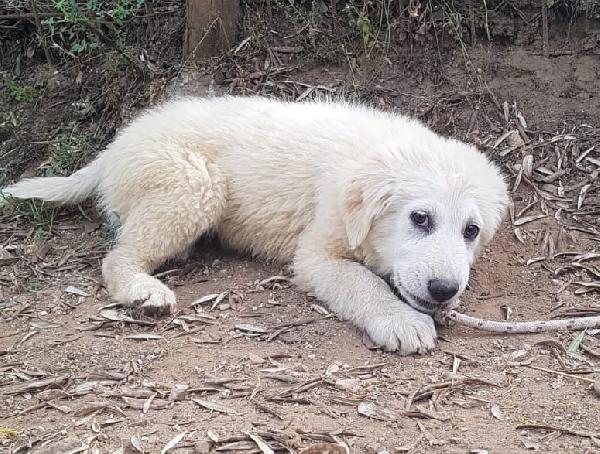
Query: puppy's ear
[366, 197]
[494, 201]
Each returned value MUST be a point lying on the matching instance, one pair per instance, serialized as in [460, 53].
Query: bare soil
[267, 360]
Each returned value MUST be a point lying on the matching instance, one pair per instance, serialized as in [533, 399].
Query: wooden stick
[19, 16]
[40, 30]
[562, 374]
[472, 22]
[545, 28]
[536, 326]
[557, 429]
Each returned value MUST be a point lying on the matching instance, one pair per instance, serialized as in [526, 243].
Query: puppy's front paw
[147, 292]
[406, 331]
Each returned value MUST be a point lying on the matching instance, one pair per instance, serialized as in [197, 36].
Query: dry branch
[36, 15]
[536, 326]
[545, 49]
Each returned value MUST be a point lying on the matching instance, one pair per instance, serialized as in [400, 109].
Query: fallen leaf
[198, 317]
[527, 219]
[33, 385]
[251, 328]
[273, 282]
[76, 291]
[372, 410]
[44, 325]
[205, 299]
[240, 446]
[147, 404]
[527, 166]
[262, 445]
[497, 413]
[319, 309]
[138, 404]
[213, 406]
[144, 336]
[136, 443]
[174, 441]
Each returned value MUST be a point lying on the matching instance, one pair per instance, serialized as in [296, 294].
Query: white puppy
[381, 217]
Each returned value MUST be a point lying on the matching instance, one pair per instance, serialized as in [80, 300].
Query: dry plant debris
[268, 378]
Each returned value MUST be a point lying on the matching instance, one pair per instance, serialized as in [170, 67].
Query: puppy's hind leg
[165, 221]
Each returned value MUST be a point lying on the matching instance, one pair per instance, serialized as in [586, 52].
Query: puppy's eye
[471, 232]
[420, 218]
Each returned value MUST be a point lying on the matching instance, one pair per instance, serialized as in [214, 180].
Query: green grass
[66, 153]
[36, 213]
[83, 28]
[65, 156]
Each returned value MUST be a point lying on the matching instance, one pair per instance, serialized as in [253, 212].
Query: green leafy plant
[86, 27]
[362, 23]
[21, 93]
[373, 20]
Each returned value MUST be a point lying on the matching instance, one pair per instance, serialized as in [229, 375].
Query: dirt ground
[256, 366]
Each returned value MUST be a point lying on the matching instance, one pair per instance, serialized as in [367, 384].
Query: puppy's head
[421, 213]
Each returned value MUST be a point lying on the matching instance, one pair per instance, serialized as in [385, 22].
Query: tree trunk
[210, 27]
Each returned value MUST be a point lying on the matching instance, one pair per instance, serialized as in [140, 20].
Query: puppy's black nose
[441, 290]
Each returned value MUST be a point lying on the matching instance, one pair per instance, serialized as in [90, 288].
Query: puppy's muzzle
[442, 290]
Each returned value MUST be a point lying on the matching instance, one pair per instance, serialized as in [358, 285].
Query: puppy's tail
[72, 189]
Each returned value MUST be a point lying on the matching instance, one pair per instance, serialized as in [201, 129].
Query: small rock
[531, 445]
[178, 392]
[333, 369]
[255, 359]
[202, 447]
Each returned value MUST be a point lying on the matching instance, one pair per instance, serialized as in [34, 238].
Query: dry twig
[564, 430]
[512, 327]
